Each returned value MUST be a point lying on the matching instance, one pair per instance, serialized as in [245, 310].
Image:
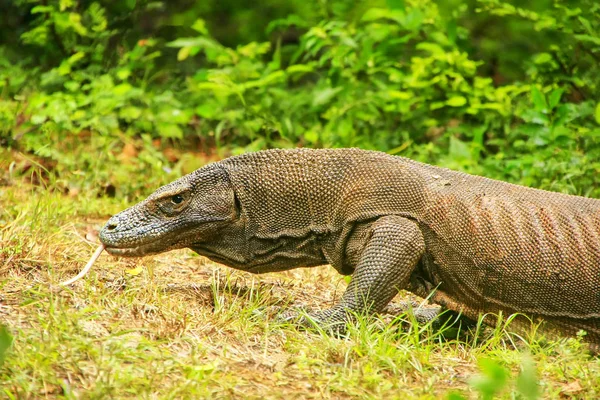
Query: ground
[176, 325]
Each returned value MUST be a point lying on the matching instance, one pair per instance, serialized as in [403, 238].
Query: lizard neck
[259, 255]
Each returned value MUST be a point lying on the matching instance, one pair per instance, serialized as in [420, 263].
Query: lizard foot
[326, 320]
[422, 314]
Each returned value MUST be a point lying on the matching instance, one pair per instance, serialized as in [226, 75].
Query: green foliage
[376, 83]
[484, 86]
[495, 379]
[569, 54]
[5, 343]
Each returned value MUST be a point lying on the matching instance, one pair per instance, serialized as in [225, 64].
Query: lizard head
[191, 209]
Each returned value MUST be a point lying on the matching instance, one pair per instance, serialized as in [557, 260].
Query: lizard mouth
[126, 251]
[136, 251]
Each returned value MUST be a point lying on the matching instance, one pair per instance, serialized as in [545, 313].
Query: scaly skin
[480, 245]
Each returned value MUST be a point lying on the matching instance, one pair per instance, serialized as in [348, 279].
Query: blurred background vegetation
[108, 96]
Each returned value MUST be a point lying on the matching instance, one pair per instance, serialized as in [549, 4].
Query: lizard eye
[177, 199]
[173, 204]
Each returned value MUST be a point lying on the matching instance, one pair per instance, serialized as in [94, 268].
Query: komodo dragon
[474, 245]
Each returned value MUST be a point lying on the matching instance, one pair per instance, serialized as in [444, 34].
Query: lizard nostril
[111, 226]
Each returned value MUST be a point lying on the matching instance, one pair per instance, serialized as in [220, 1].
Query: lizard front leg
[391, 250]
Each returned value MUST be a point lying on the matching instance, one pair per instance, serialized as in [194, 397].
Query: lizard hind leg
[390, 253]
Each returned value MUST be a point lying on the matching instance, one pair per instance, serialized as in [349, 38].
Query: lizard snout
[109, 232]
[121, 238]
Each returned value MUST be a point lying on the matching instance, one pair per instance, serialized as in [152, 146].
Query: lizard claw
[317, 320]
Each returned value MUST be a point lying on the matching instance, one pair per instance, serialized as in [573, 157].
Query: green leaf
[75, 22]
[122, 89]
[198, 41]
[373, 14]
[64, 68]
[41, 9]
[539, 100]
[436, 105]
[459, 150]
[413, 20]
[542, 58]
[72, 86]
[493, 379]
[76, 57]
[400, 95]
[37, 119]
[433, 48]
[170, 131]
[123, 73]
[586, 24]
[200, 26]
[183, 53]
[134, 271]
[527, 380]
[452, 30]
[554, 97]
[299, 70]
[455, 396]
[311, 137]
[396, 4]
[456, 101]
[535, 117]
[273, 77]
[324, 96]
[5, 342]
[597, 113]
[130, 113]
[588, 38]
[64, 4]
[207, 110]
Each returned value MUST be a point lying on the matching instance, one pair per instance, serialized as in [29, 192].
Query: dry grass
[184, 327]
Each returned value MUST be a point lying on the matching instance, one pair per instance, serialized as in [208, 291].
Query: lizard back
[490, 245]
[514, 247]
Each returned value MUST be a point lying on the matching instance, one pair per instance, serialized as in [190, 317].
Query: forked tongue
[87, 267]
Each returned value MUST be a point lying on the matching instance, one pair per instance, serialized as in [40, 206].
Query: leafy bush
[410, 77]
[376, 83]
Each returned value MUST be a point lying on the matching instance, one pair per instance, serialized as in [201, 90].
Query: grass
[183, 327]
